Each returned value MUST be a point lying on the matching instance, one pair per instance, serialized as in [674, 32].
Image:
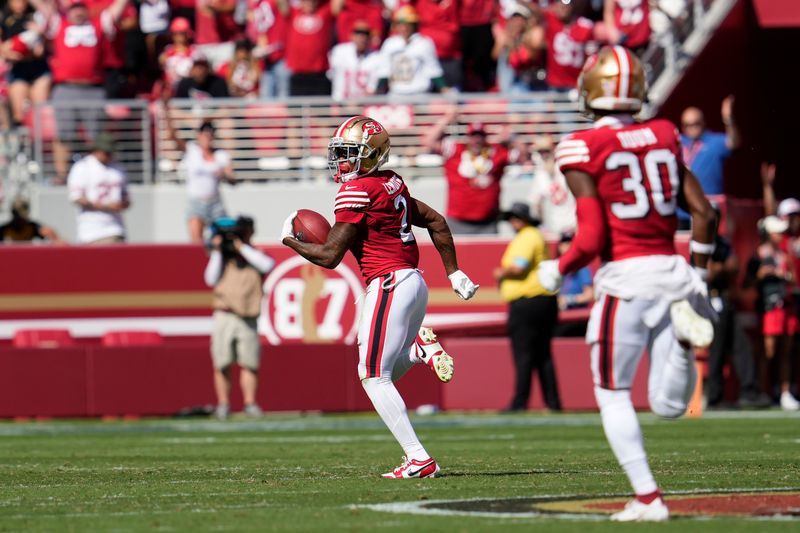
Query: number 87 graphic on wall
[663, 199]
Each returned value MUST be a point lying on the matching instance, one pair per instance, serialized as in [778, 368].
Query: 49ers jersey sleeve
[351, 203]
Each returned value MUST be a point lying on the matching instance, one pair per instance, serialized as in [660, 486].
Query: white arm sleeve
[213, 268]
[261, 261]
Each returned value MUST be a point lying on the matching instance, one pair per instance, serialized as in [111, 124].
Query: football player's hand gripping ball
[288, 226]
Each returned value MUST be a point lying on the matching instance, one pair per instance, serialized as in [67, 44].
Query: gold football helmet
[612, 80]
[358, 148]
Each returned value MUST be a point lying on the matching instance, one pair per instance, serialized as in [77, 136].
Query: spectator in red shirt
[628, 23]
[567, 38]
[308, 39]
[476, 18]
[78, 68]
[242, 72]
[216, 29]
[177, 58]
[369, 11]
[438, 20]
[266, 28]
[473, 170]
[116, 52]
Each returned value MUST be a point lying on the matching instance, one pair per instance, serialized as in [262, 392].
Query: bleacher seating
[132, 338]
[42, 338]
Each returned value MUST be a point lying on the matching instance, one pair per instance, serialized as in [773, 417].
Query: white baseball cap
[789, 206]
[773, 224]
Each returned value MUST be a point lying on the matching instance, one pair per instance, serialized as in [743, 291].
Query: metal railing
[129, 122]
[287, 140]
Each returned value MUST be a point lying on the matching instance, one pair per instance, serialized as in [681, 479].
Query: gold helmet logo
[358, 148]
[612, 80]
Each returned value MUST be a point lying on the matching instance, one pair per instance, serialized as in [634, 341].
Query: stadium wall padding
[148, 381]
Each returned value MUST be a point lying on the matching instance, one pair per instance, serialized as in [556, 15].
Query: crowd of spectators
[78, 49]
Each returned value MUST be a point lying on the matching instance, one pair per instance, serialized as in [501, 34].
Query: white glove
[288, 226]
[549, 276]
[462, 285]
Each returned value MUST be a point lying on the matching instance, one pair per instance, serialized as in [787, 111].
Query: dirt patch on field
[756, 504]
[761, 504]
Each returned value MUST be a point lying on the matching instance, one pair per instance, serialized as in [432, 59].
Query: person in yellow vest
[235, 270]
[532, 312]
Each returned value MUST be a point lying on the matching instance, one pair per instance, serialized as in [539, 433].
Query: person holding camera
[235, 270]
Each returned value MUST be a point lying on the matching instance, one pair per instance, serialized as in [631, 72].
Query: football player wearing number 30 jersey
[628, 180]
[374, 218]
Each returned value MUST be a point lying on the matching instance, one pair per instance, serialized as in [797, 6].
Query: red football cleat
[414, 469]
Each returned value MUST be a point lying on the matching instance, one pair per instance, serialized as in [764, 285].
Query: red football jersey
[177, 64]
[632, 17]
[438, 19]
[635, 167]
[566, 49]
[114, 52]
[380, 205]
[308, 39]
[477, 12]
[369, 11]
[265, 20]
[78, 52]
[214, 27]
[473, 182]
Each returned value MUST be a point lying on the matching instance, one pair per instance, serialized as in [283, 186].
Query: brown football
[310, 226]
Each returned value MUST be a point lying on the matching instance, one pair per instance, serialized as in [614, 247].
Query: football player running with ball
[374, 218]
[628, 179]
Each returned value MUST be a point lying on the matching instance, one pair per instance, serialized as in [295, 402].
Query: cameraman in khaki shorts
[235, 270]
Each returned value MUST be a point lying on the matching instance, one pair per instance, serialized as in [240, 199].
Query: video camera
[230, 229]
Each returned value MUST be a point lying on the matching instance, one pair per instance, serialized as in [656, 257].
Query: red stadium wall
[135, 381]
[91, 290]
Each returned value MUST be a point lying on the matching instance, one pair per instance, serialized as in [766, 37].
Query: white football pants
[393, 311]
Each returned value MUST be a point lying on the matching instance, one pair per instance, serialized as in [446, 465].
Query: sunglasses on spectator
[692, 124]
[361, 32]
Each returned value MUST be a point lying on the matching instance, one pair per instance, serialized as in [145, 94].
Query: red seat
[42, 338]
[132, 338]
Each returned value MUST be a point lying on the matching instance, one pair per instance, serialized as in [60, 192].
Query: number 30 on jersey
[663, 200]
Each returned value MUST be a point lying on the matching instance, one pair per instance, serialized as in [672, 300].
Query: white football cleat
[413, 469]
[430, 351]
[789, 402]
[689, 326]
[636, 511]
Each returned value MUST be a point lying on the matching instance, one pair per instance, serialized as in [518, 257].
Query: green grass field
[314, 473]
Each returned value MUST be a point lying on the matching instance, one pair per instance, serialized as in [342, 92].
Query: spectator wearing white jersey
[99, 188]
[353, 65]
[409, 64]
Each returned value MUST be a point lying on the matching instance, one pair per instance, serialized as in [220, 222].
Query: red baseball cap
[476, 127]
[180, 25]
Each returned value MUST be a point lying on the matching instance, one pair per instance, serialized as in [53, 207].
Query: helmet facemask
[361, 158]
